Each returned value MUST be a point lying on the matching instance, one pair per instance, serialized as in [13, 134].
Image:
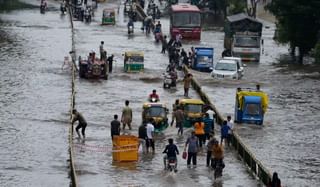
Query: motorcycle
[158, 36]
[130, 29]
[63, 9]
[169, 81]
[42, 8]
[172, 165]
[87, 16]
[153, 100]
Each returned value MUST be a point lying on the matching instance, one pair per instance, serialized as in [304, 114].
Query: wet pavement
[35, 99]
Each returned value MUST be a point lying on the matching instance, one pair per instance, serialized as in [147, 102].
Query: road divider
[253, 164]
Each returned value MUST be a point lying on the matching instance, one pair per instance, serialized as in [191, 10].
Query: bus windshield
[186, 19]
[242, 41]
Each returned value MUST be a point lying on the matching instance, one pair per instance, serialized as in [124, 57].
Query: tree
[297, 24]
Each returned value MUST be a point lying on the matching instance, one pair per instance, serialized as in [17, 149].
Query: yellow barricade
[125, 148]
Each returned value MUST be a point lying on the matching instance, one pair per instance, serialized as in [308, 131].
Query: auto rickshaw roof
[148, 105]
[108, 10]
[261, 94]
[191, 101]
[134, 53]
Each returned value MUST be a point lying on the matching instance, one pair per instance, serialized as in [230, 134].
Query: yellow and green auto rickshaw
[193, 110]
[108, 17]
[159, 113]
[133, 61]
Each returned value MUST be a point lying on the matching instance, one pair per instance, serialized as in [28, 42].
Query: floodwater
[35, 99]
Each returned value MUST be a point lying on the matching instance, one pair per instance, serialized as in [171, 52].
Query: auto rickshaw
[159, 113]
[193, 110]
[250, 106]
[108, 17]
[133, 61]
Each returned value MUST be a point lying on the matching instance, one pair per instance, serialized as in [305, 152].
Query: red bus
[186, 20]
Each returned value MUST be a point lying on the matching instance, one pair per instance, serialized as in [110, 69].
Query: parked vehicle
[108, 17]
[159, 113]
[250, 106]
[192, 109]
[243, 37]
[133, 61]
[203, 60]
[227, 69]
[185, 19]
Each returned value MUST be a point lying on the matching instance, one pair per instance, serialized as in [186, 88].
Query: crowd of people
[202, 137]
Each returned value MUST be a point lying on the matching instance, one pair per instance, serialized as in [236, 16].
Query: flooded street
[35, 101]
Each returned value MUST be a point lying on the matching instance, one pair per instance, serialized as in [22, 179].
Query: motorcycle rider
[87, 14]
[154, 95]
[158, 28]
[174, 76]
[130, 23]
[172, 152]
[63, 6]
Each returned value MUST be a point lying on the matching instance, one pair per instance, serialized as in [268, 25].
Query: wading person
[225, 133]
[82, 124]
[208, 126]
[179, 120]
[174, 109]
[150, 134]
[187, 82]
[230, 131]
[142, 135]
[199, 131]
[115, 126]
[101, 49]
[126, 117]
[209, 150]
[110, 62]
[193, 146]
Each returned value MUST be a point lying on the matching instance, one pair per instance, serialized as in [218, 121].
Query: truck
[242, 37]
[250, 106]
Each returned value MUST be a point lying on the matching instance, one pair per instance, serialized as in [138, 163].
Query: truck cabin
[244, 30]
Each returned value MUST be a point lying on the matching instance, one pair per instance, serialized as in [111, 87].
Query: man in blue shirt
[225, 132]
[208, 126]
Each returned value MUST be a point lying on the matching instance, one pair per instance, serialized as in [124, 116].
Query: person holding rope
[77, 116]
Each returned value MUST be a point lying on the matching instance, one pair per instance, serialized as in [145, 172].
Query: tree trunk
[301, 55]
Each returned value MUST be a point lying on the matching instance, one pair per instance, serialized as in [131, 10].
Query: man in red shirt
[154, 95]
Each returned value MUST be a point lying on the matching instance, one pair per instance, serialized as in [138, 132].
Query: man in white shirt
[230, 124]
[150, 134]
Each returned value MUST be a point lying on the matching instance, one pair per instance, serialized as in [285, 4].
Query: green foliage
[317, 53]
[298, 22]
[236, 6]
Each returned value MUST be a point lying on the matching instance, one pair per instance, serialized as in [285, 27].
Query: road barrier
[73, 174]
[254, 165]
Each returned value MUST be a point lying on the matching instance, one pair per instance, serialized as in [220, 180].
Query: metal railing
[254, 165]
[73, 174]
